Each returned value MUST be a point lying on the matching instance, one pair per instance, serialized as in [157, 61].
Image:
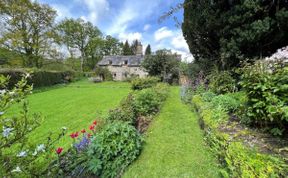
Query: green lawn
[74, 106]
[174, 145]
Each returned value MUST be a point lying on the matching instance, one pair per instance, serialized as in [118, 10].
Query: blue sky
[129, 19]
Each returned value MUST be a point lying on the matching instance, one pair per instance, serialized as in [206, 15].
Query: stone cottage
[123, 67]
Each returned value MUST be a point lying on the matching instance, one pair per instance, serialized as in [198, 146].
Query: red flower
[95, 122]
[72, 135]
[89, 135]
[83, 131]
[92, 127]
[59, 150]
[76, 134]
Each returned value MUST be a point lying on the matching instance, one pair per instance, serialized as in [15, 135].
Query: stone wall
[121, 73]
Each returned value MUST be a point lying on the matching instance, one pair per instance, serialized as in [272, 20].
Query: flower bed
[107, 148]
[228, 139]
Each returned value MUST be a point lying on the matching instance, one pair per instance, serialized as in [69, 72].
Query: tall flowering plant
[16, 154]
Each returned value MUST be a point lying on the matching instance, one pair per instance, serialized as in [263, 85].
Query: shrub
[208, 96]
[162, 91]
[141, 83]
[120, 114]
[18, 156]
[221, 82]
[225, 102]
[112, 149]
[266, 86]
[146, 102]
[103, 73]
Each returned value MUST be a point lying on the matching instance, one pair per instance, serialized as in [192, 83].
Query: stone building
[123, 67]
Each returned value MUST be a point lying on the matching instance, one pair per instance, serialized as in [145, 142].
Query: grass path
[174, 145]
[74, 106]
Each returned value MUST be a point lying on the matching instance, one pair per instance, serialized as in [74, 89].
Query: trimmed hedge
[38, 78]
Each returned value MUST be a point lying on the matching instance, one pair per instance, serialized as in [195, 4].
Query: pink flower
[83, 131]
[95, 122]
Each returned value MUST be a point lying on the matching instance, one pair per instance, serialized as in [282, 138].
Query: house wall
[120, 73]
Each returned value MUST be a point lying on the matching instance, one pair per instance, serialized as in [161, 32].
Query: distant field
[74, 106]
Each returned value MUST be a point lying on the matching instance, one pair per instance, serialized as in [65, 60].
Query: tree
[148, 50]
[28, 28]
[227, 32]
[126, 49]
[112, 46]
[134, 47]
[79, 35]
[163, 64]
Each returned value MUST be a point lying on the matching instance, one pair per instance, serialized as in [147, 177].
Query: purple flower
[84, 142]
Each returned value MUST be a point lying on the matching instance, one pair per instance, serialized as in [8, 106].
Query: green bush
[208, 96]
[147, 102]
[225, 102]
[38, 78]
[221, 82]
[104, 73]
[142, 83]
[120, 114]
[267, 91]
[162, 91]
[112, 149]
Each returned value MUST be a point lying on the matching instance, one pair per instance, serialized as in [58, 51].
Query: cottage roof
[121, 60]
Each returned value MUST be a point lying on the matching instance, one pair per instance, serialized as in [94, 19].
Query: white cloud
[178, 42]
[130, 36]
[96, 9]
[147, 27]
[62, 11]
[162, 33]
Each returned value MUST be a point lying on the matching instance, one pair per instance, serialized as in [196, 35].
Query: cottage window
[114, 75]
[125, 62]
[110, 62]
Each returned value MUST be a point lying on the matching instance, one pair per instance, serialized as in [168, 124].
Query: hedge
[39, 78]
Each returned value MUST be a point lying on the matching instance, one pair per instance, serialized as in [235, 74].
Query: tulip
[92, 127]
[59, 150]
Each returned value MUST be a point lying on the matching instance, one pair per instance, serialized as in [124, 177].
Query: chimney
[139, 49]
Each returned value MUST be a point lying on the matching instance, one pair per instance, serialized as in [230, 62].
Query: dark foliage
[226, 32]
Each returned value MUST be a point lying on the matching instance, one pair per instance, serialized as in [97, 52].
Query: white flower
[12, 92]
[27, 75]
[35, 153]
[17, 169]
[1, 113]
[2, 92]
[22, 154]
[6, 132]
[40, 147]
[64, 128]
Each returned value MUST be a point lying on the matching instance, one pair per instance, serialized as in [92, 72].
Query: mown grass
[174, 145]
[74, 106]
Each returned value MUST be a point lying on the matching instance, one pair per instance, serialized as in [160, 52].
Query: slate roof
[120, 60]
